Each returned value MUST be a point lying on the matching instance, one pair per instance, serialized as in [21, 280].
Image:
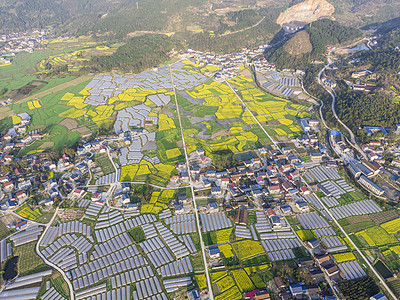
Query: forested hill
[315, 38]
[26, 15]
[138, 54]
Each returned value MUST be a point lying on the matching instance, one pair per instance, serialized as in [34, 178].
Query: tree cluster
[361, 288]
[357, 109]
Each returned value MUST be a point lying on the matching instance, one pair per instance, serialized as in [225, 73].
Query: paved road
[70, 287]
[382, 281]
[210, 292]
[113, 186]
[140, 182]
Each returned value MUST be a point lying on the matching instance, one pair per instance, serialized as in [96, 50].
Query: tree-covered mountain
[26, 15]
[201, 24]
[310, 44]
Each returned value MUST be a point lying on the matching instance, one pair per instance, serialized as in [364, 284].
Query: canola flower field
[213, 118]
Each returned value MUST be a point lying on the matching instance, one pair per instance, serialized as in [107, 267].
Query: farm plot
[233, 294]
[305, 235]
[384, 216]
[247, 249]
[268, 108]
[226, 112]
[114, 87]
[322, 173]
[226, 250]
[215, 276]
[353, 209]
[28, 259]
[158, 202]
[377, 236]
[217, 237]
[34, 104]
[392, 226]
[312, 220]
[243, 281]
[105, 164]
[225, 283]
[27, 212]
[159, 172]
[395, 249]
[352, 270]
[72, 60]
[214, 221]
[201, 281]
[342, 257]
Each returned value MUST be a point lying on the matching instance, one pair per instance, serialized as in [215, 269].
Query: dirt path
[56, 89]
[244, 29]
[142, 32]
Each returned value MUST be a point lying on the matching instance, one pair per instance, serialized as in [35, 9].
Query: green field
[137, 234]
[28, 261]
[105, 164]
[351, 197]
[3, 231]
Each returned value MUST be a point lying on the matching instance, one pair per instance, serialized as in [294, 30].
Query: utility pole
[137, 5]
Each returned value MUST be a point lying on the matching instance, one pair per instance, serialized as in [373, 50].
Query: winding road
[354, 144]
[244, 29]
[332, 93]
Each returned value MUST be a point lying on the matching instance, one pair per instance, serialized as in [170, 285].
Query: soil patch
[246, 73]
[46, 145]
[83, 130]
[69, 123]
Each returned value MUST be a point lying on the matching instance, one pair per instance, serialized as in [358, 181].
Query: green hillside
[319, 35]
